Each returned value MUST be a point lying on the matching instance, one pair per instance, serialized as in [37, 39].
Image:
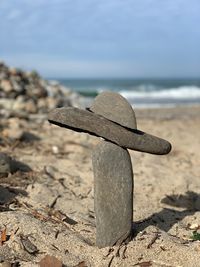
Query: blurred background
[148, 50]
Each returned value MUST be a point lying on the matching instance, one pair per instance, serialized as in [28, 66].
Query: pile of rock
[28, 92]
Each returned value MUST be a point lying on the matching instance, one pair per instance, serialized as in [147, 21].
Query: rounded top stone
[114, 107]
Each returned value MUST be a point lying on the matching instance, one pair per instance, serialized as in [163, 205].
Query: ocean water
[142, 92]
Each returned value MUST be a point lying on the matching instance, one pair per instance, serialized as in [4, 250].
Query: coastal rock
[113, 193]
[53, 102]
[6, 86]
[5, 165]
[23, 104]
[36, 92]
[14, 130]
[30, 106]
[6, 104]
[114, 107]
[27, 91]
[94, 124]
[17, 85]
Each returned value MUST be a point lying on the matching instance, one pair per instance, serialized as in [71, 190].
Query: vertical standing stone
[113, 194]
[113, 175]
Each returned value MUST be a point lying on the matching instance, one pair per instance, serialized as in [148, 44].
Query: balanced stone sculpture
[111, 117]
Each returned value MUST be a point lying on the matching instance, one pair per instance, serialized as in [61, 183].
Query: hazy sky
[102, 38]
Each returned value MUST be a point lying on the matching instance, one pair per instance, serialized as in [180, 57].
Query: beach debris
[144, 264]
[81, 264]
[28, 245]
[111, 117]
[50, 261]
[3, 236]
[153, 240]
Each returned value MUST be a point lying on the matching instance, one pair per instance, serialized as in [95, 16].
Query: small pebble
[194, 226]
[55, 149]
[50, 261]
[28, 245]
[51, 171]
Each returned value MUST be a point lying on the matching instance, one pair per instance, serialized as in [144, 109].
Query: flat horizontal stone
[94, 124]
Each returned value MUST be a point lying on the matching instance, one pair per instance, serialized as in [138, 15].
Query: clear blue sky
[102, 38]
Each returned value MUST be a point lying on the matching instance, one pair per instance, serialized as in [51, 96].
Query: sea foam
[180, 92]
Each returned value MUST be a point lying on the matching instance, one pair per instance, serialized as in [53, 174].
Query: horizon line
[122, 78]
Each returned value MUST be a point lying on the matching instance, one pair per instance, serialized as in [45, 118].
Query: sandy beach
[99, 133]
[48, 197]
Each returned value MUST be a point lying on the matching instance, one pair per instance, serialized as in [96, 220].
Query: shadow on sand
[7, 196]
[167, 217]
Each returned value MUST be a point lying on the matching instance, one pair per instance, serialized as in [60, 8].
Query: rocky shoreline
[27, 93]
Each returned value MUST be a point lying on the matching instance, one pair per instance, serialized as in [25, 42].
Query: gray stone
[30, 106]
[113, 175]
[6, 103]
[94, 124]
[113, 194]
[114, 107]
[5, 165]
